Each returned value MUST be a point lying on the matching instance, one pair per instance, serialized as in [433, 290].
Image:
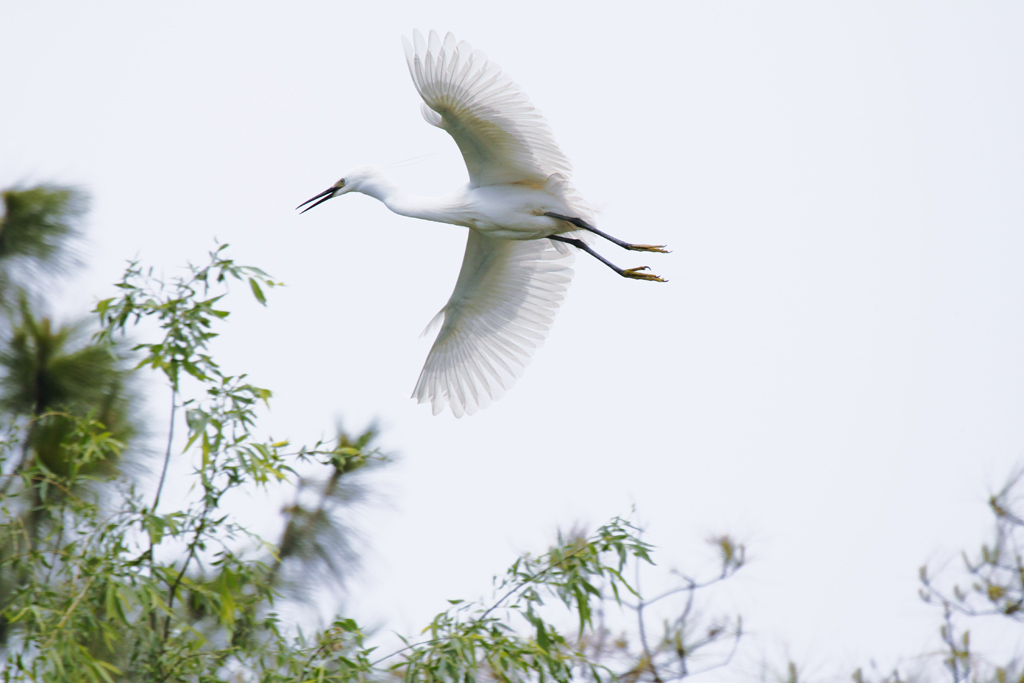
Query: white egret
[525, 222]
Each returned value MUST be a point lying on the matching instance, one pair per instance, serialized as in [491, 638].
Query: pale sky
[834, 373]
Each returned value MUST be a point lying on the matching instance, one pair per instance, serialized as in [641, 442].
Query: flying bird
[525, 220]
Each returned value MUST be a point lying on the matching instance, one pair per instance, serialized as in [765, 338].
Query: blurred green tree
[53, 378]
[37, 234]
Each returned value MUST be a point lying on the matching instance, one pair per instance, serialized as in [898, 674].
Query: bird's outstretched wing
[503, 138]
[504, 301]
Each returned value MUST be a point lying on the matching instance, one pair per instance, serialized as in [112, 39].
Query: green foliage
[102, 581]
[126, 591]
[185, 310]
[120, 587]
[471, 640]
[133, 590]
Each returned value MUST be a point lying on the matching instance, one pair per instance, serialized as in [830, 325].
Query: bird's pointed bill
[318, 199]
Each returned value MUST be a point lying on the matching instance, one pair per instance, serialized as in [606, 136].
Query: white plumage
[503, 138]
[524, 218]
[503, 304]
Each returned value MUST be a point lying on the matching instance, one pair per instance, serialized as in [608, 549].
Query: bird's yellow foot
[635, 274]
[659, 248]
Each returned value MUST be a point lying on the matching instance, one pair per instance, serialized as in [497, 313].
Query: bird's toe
[638, 274]
[658, 248]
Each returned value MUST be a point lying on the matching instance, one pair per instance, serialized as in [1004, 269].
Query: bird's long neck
[381, 187]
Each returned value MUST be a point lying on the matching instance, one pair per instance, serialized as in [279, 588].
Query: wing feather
[503, 304]
[503, 138]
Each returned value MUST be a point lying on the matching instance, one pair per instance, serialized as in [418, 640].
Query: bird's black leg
[634, 273]
[582, 224]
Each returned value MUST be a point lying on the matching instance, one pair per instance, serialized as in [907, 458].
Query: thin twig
[23, 461]
[71, 609]
[643, 629]
[167, 454]
[732, 653]
[181, 575]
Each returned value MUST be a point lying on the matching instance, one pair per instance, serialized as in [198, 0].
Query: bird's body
[510, 211]
[525, 222]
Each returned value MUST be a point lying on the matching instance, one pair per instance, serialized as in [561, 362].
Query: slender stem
[643, 629]
[159, 490]
[26, 452]
[167, 454]
[531, 579]
[188, 559]
[690, 586]
[70, 610]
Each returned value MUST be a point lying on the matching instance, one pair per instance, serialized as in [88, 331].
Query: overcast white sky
[834, 374]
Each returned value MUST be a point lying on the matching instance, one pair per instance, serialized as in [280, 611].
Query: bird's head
[352, 182]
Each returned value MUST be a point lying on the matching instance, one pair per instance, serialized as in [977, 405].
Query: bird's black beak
[317, 200]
